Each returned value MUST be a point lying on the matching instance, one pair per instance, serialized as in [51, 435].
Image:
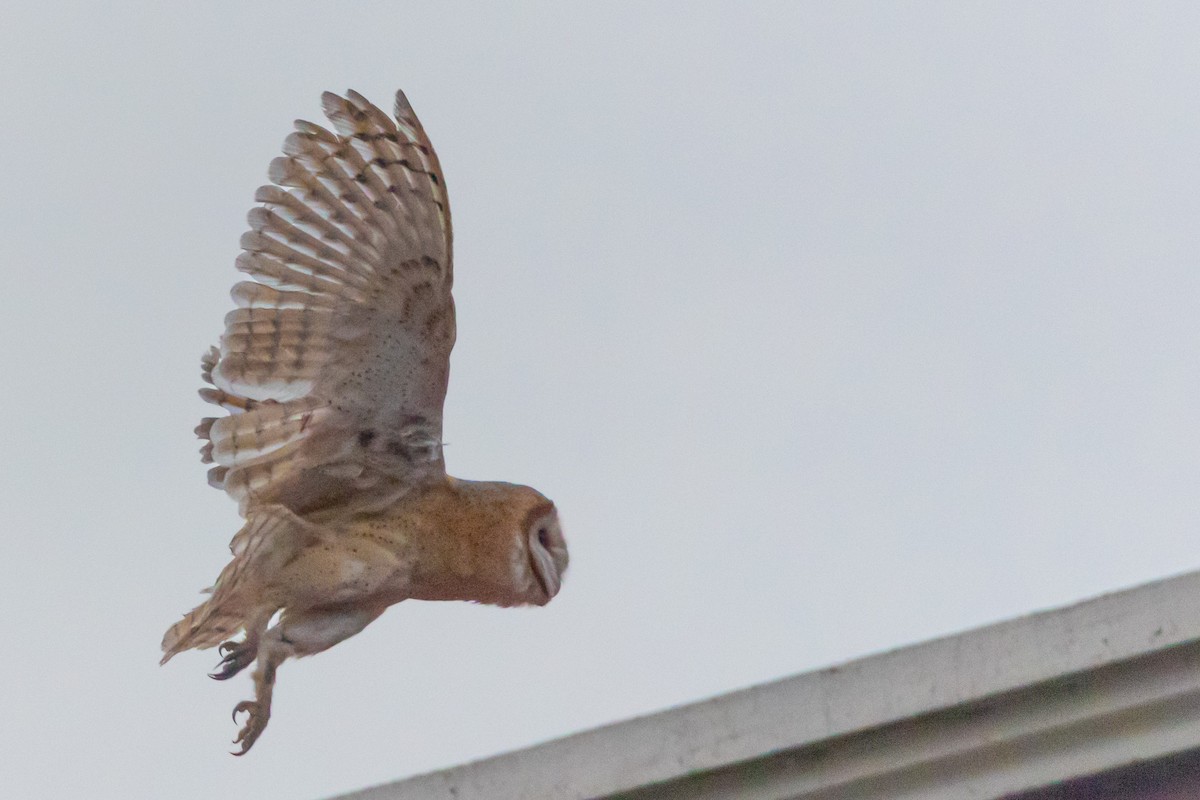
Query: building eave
[996, 710]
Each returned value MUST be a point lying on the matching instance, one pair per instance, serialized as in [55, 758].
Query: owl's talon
[254, 726]
[237, 656]
[245, 705]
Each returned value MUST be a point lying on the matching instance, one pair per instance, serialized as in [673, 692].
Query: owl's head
[505, 540]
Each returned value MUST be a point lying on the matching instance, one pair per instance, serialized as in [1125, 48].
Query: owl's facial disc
[548, 553]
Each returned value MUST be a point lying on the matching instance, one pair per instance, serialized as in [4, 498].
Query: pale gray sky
[829, 327]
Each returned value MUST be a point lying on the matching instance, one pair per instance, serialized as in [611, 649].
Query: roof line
[1121, 638]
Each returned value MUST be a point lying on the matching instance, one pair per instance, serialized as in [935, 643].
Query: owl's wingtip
[403, 108]
[331, 103]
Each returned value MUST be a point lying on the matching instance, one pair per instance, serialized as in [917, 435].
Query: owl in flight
[333, 368]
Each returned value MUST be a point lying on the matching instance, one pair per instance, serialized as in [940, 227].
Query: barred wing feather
[334, 364]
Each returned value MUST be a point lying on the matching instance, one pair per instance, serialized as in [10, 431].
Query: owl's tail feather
[246, 595]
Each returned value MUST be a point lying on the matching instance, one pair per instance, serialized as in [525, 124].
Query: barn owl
[334, 368]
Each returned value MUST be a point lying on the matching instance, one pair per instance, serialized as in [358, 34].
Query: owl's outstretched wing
[334, 365]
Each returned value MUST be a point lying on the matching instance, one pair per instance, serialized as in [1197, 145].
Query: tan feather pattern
[259, 473]
[334, 363]
[245, 437]
[333, 369]
[274, 353]
[249, 294]
[270, 538]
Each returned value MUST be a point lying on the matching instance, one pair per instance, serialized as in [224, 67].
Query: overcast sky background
[830, 328]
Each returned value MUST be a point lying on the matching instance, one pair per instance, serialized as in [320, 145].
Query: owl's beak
[547, 574]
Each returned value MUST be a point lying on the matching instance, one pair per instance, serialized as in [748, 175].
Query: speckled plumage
[334, 369]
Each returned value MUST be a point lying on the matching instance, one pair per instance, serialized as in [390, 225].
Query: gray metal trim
[1003, 708]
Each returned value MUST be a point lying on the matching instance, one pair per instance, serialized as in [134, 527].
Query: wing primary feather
[410, 127]
[320, 221]
[288, 171]
[395, 163]
[272, 271]
[265, 221]
[357, 185]
[363, 124]
[255, 242]
[329, 162]
[251, 294]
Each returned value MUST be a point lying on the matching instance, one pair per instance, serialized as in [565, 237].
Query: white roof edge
[1020, 657]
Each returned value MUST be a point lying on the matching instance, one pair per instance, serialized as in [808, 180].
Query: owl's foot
[237, 656]
[260, 713]
[272, 652]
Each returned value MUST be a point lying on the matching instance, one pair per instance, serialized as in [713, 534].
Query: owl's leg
[299, 633]
[272, 651]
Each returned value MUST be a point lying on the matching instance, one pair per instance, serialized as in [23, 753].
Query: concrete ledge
[997, 710]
